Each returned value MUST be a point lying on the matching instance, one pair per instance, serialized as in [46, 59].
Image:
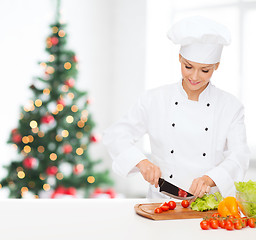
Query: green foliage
[56, 117]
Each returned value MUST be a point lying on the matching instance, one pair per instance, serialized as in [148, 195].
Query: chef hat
[201, 39]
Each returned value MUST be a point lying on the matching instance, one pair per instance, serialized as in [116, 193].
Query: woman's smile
[193, 82]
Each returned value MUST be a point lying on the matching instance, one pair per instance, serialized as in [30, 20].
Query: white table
[97, 219]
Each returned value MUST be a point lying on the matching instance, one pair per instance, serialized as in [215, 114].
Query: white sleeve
[120, 139]
[236, 157]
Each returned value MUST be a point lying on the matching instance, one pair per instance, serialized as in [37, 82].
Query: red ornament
[62, 102]
[16, 138]
[54, 41]
[29, 162]
[51, 170]
[97, 191]
[70, 82]
[15, 130]
[78, 168]
[89, 101]
[94, 138]
[111, 193]
[47, 119]
[74, 58]
[63, 191]
[70, 191]
[67, 148]
[58, 190]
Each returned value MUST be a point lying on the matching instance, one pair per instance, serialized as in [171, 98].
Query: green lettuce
[246, 195]
[207, 202]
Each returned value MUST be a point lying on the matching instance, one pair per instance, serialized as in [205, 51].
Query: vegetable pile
[246, 196]
[207, 202]
[228, 217]
[229, 223]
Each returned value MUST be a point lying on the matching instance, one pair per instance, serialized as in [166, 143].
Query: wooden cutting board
[147, 210]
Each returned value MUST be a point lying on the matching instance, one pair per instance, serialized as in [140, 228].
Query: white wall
[108, 37]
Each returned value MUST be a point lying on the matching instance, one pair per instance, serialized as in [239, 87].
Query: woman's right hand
[150, 172]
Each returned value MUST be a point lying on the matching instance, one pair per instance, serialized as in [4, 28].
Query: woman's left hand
[201, 185]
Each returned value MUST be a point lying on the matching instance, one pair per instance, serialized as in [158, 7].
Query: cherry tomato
[222, 222]
[232, 218]
[158, 210]
[164, 204]
[244, 222]
[214, 224]
[229, 225]
[204, 225]
[215, 215]
[165, 208]
[238, 224]
[172, 205]
[185, 203]
[251, 222]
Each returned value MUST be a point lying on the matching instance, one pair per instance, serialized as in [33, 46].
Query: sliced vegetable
[164, 206]
[158, 210]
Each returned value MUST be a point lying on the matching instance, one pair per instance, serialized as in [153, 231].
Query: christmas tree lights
[55, 131]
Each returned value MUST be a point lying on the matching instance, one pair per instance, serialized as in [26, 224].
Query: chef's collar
[203, 95]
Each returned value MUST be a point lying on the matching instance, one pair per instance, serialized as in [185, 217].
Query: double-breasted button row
[208, 104]
[172, 152]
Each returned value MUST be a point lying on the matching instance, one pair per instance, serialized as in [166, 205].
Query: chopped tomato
[158, 210]
[165, 208]
[172, 205]
[182, 193]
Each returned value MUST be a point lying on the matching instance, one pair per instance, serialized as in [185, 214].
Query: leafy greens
[207, 202]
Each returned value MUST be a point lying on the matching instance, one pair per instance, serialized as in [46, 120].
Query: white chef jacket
[188, 138]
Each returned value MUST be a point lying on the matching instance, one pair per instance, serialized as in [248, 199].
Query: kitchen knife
[173, 191]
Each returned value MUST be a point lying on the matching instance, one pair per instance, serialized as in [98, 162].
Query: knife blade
[171, 190]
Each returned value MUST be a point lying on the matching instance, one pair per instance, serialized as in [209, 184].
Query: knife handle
[160, 182]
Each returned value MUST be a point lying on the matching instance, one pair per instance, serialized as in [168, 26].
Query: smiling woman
[196, 77]
[196, 130]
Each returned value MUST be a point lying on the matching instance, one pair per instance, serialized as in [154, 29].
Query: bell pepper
[228, 206]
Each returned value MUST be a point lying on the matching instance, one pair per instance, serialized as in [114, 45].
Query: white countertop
[93, 219]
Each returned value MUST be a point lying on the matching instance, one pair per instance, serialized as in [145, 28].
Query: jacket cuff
[223, 181]
[125, 163]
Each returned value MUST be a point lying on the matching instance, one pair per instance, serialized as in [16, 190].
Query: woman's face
[196, 76]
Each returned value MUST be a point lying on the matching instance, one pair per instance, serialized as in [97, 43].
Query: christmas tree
[55, 130]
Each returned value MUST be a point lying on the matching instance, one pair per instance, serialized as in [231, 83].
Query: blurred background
[122, 50]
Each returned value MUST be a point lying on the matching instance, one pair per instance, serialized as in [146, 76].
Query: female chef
[196, 131]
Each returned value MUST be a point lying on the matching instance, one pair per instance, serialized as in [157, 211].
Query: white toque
[201, 39]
